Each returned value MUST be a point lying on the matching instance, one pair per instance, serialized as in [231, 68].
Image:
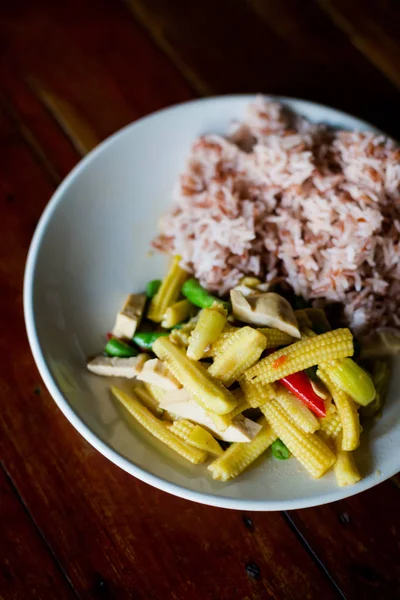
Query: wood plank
[90, 64]
[27, 566]
[373, 27]
[116, 537]
[358, 540]
[31, 117]
[289, 47]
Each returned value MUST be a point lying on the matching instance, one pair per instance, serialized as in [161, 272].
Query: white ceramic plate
[91, 248]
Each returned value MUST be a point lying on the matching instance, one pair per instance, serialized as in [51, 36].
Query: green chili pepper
[115, 347]
[146, 339]
[280, 451]
[153, 287]
[198, 296]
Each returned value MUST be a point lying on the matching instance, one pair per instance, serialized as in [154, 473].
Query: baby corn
[156, 391]
[208, 328]
[330, 426]
[242, 350]
[196, 436]
[239, 456]
[208, 392]
[168, 292]
[178, 312]
[256, 394]
[148, 399]
[308, 448]
[275, 337]
[301, 355]
[297, 411]
[347, 412]
[345, 467]
[220, 343]
[157, 428]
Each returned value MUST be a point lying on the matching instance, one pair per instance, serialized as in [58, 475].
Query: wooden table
[71, 73]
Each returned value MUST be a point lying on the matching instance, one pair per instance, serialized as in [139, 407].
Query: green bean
[280, 451]
[198, 296]
[115, 347]
[153, 287]
[146, 339]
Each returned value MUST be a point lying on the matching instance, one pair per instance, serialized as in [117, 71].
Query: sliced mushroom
[265, 310]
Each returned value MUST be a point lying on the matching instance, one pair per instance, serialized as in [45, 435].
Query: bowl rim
[61, 401]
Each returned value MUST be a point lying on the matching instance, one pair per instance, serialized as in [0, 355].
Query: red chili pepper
[300, 385]
[109, 336]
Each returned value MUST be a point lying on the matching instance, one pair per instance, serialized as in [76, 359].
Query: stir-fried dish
[222, 380]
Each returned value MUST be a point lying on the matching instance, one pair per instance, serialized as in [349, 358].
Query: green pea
[153, 287]
[280, 451]
[146, 339]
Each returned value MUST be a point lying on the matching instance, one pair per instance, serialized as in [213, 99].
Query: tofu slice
[154, 371]
[180, 404]
[111, 366]
[129, 316]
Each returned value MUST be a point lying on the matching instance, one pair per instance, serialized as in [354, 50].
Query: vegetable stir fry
[252, 372]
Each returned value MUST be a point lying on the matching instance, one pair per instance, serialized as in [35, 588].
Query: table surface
[72, 525]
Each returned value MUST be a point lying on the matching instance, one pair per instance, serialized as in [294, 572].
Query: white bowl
[91, 248]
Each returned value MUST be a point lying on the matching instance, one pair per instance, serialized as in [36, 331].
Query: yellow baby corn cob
[302, 318]
[178, 312]
[330, 426]
[242, 350]
[256, 394]
[300, 414]
[156, 391]
[239, 455]
[308, 448]
[196, 436]
[147, 398]
[157, 428]
[208, 328]
[275, 337]
[318, 319]
[222, 422]
[168, 292]
[345, 467]
[347, 412]
[219, 345]
[208, 392]
[301, 355]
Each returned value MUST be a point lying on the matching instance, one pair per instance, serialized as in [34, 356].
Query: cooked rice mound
[280, 196]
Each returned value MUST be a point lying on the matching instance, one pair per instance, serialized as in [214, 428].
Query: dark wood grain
[89, 62]
[358, 540]
[373, 27]
[289, 47]
[70, 74]
[27, 567]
